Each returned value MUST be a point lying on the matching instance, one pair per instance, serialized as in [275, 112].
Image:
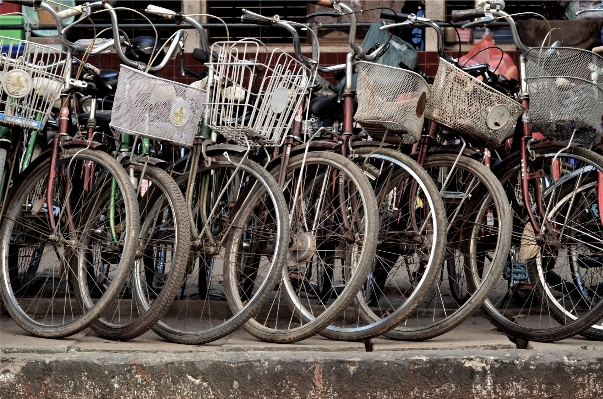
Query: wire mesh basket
[32, 77]
[463, 103]
[390, 98]
[244, 106]
[156, 108]
[566, 93]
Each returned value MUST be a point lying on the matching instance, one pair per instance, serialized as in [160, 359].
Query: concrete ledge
[427, 374]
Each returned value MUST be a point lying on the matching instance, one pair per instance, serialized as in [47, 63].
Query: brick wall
[428, 62]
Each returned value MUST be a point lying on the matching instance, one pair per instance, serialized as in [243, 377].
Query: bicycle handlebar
[179, 17]
[412, 19]
[489, 16]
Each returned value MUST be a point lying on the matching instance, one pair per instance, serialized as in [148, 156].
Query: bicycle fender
[320, 145]
[224, 147]
[84, 144]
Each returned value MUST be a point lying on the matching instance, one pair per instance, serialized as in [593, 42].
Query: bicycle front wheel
[46, 271]
[334, 228]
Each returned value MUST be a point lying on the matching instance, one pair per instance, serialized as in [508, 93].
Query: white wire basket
[157, 108]
[32, 77]
[566, 93]
[254, 100]
[390, 98]
[463, 103]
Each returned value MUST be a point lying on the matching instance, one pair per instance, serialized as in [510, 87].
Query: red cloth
[485, 52]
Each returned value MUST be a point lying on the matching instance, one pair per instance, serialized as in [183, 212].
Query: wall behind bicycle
[428, 62]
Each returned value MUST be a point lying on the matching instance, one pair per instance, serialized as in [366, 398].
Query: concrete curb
[417, 374]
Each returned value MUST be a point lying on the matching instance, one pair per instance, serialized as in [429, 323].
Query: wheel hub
[303, 246]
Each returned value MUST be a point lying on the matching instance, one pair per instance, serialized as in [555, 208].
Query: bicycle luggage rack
[32, 77]
[264, 115]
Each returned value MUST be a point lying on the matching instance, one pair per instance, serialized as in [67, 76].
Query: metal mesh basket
[240, 107]
[465, 104]
[156, 108]
[32, 77]
[566, 93]
[390, 98]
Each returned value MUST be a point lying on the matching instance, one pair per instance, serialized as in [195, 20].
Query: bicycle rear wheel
[334, 228]
[478, 237]
[410, 252]
[159, 268]
[541, 294]
[239, 256]
[45, 273]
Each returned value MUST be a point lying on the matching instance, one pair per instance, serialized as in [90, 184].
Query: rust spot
[318, 378]
[142, 372]
[28, 390]
[46, 385]
[421, 105]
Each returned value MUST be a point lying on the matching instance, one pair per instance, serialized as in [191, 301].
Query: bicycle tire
[276, 322]
[586, 286]
[163, 244]
[68, 270]
[390, 293]
[252, 191]
[512, 304]
[452, 299]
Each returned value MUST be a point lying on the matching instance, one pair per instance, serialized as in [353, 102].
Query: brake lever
[485, 20]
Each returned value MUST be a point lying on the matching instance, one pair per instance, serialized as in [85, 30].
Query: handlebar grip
[29, 3]
[70, 12]
[463, 15]
[394, 16]
[254, 20]
[164, 12]
[334, 14]
[111, 2]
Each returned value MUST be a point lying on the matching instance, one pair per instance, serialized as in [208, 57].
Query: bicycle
[534, 299]
[53, 210]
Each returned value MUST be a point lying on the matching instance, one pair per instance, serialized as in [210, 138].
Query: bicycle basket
[463, 103]
[390, 98]
[242, 109]
[156, 108]
[566, 93]
[32, 77]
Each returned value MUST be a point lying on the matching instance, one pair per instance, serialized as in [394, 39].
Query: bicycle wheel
[410, 250]
[334, 227]
[239, 256]
[578, 203]
[540, 295]
[45, 272]
[164, 243]
[478, 238]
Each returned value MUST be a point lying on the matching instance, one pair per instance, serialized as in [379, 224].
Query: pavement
[472, 361]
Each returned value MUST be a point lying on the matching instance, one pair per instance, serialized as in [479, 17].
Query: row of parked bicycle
[262, 196]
